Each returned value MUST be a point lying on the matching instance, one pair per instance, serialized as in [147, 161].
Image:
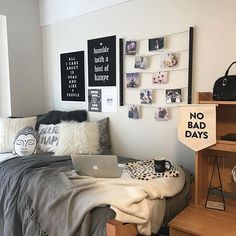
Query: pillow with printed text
[49, 136]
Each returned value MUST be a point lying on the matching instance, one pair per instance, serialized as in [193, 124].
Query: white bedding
[6, 156]
[142, 203]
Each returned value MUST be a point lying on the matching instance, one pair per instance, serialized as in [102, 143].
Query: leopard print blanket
[144, 170]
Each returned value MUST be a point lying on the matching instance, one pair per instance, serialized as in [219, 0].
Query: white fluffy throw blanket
[134, 201]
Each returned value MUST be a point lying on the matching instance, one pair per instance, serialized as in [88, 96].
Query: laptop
[100, 166]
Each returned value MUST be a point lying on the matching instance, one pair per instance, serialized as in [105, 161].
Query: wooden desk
[197, 220]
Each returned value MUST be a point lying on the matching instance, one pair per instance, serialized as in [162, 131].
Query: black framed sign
[102, 61]
[72, 76]
[95, 100]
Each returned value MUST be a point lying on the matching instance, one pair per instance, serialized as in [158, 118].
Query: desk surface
[196, 220]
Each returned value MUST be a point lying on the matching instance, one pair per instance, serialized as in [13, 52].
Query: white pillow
[49, 136]
[8, 129]
[78, 138]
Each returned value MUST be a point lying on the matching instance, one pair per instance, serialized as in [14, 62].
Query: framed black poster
[72, 76]
[102, 61]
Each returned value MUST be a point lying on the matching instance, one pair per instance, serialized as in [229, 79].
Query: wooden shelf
[207, 98]
[224, 149]
[230, 207]
[223, 145]
[196, 219]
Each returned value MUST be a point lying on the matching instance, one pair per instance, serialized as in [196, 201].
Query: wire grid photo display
[160, 68]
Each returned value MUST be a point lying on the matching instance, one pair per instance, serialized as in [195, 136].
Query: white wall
[5, 100]
[214, 49]
[25, 56]
[52, 11]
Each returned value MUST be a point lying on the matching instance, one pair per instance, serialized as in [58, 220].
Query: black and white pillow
[26, 142]
[8, 129]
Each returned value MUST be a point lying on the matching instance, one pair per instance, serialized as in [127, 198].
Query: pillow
[49, 136]
[55, 117]
[78, 138]
[104, 136]
[8, 129]
[26, 142]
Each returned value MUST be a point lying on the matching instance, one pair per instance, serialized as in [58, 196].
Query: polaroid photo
[140, 62]
[133, 112]
[146, 96]
[130, 47]
[155, 44]
[159, 77]
[173, 96]
[161, 113]
[132, 80]
[169, 60]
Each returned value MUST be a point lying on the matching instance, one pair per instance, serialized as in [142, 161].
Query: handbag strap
[227, 72]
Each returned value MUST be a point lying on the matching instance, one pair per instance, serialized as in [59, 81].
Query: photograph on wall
[133, 112]
[72, 76]
[161, 114]
[102, 61]
[173, 96]
[95, 100]
[141, 62]
[169, 60]
[109, 99]
[132, 80]
[146, 96]
[130, 47]
[159, 77]
[155, 44]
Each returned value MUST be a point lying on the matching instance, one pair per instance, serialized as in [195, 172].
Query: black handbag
[225, 87]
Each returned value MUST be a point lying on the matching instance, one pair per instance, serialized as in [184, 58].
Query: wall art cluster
[158, 69]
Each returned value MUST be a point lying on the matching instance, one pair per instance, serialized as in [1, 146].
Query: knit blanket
[27, 184]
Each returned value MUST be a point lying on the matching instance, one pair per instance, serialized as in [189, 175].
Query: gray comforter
[26, 183]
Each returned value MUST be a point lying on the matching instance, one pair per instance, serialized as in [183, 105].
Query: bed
[39, 196]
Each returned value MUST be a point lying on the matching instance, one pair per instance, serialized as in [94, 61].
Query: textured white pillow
[49, 136]
[8, 129]
[78, 138]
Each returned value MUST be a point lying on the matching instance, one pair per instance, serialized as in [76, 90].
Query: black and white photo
[132, 80]
[155, 44]
[130, 47]
[133, 112]
[146, 96]
[173, 96]
[161, 114]
[141, 62]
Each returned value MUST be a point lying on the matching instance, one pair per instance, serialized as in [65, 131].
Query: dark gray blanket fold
[20, 198]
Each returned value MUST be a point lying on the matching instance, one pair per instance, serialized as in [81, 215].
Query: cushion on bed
[104, 136]
[8, 129]
[55, 117]
[78, 138]
[26, 142]
[49, 136]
